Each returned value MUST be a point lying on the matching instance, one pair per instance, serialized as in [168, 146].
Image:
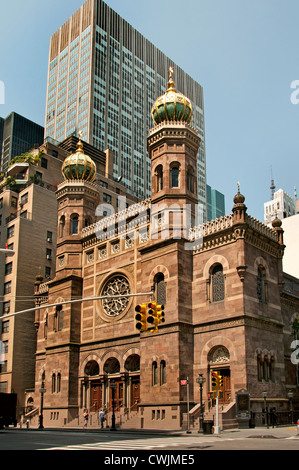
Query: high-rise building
[215, 204]
[282, 205]
[103, 79]
[18, 135]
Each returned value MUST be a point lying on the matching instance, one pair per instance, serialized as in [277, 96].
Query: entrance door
[135, 393]
[96, 396]
[118, 395]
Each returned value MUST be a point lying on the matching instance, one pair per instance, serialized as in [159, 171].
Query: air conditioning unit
[49, 257]
[49, 240]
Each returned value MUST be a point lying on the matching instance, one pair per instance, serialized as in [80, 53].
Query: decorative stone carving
[116, 286]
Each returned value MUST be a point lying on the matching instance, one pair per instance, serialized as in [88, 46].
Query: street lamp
[290, 396]
[265, 407]
[200, 380]
[113, 387]
[42, 390]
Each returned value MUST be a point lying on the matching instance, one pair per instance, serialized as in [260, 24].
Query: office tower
[19, 135]
[215, 204]
[282, 205]
[103, 79]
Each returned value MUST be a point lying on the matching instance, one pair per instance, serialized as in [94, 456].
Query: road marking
[140, 444]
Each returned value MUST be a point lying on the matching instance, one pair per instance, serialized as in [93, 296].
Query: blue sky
[244, 54]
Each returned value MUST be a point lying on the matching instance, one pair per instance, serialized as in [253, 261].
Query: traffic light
[152, 318]
[155, 315]
[220, 381]
[141, 324]
[214, 380]
[160, 314]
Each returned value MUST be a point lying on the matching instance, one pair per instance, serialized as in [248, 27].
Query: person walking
[102, 418]
[85, 416]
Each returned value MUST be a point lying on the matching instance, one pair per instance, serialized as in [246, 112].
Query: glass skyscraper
[103, 79]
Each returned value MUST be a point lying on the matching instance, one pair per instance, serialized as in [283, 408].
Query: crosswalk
[137, 444]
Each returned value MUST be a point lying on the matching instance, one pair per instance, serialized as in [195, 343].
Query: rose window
[117, 286]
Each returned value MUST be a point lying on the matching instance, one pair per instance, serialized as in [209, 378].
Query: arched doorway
[91, 370]
[219, 361]
[132, 367]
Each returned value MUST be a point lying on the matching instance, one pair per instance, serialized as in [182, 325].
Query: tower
[77, 199]
[173, 145]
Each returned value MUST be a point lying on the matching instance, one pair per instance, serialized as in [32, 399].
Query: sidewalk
[281, 432]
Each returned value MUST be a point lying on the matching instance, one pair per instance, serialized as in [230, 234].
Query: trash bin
[208, 427]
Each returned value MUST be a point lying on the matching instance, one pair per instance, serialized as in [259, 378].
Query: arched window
[46, 326]
[58, 382]
[159, 176]
[262, 285]
[58, 318]
[53, 383]
[295, 328]
[265, 367]
[162, 372]
[174, 176]
[87, 222]
[160, 288]
[154, 373]
[62, 226]
[74, 224]
[190, 180]
[217, 282]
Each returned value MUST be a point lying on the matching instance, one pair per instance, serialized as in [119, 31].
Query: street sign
[184, 382]
[42, 390]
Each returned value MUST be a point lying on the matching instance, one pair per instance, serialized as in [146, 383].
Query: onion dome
[239, 198]
[276, 222]
[79, 166]
[172, 106]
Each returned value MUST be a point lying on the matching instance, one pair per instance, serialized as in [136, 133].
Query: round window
[116, 288]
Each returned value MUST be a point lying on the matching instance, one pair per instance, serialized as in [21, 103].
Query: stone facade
[222, 285]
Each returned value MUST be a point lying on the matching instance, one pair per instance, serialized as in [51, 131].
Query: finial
[238, 184]
[171, 85]
[79, 143]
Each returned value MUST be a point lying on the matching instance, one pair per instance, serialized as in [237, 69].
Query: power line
[87, 299]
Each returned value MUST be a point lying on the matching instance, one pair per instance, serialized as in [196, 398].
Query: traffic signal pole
[217, 427]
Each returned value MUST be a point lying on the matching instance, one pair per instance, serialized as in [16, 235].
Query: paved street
[285, 438]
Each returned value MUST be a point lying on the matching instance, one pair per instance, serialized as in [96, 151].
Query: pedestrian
[102, 418]
[85, 416]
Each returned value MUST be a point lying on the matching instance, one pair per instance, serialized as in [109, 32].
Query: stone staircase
[227, 416]
[123, 419]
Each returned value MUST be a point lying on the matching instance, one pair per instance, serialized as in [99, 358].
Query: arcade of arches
[96, 390]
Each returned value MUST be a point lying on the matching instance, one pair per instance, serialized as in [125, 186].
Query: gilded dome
[79, 166]
[172, 106]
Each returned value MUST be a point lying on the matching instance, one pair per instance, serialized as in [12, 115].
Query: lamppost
[200, 380]
[113, 387]
[265, 407]
[290, 396]
[42, 390]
